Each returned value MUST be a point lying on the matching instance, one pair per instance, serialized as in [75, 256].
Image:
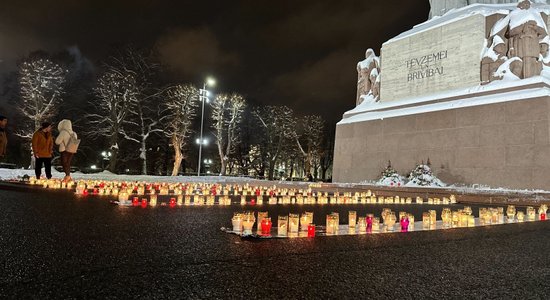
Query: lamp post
[203, 96]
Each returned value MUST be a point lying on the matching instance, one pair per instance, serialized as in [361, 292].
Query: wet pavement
[58, 245]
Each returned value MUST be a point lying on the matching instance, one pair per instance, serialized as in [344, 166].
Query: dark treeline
[132, 119]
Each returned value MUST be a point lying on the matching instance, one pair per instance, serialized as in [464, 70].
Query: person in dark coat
[42, 147]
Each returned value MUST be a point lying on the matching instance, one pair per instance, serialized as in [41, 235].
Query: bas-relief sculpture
[368, 77]
[521, 47]
[515, 49]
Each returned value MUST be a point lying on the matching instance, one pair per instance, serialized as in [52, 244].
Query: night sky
[297, 53]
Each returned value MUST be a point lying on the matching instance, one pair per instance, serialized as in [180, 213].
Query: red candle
[266, 226]
[85, 192]
[95, 191]
[542, 216]
[143, 202]
[135, 201]
[311, 230]
[172, 201]
[257, 192]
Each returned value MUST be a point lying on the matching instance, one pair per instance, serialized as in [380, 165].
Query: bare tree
[142, 123]
[42, 84]
[278, 125]
[116, 94]
[130, 95]
[227, 113]
[178, 114]
[309, 140]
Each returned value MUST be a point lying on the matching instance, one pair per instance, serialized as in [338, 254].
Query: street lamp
[203, 97]
[106, 156]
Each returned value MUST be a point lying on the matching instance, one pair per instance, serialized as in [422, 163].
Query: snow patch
[504, 71]
[468, 11]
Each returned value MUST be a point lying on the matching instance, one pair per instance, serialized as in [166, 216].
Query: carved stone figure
[376, 87]
[544, 57]
[524, 40]
[364, 69]
[493, 58]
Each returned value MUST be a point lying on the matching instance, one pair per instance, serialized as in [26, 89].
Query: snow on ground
[14, 174]
[11, 174]
[473, 189]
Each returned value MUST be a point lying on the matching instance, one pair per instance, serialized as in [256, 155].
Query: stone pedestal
[496, 137]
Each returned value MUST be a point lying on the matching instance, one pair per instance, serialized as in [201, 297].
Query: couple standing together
[42, 147]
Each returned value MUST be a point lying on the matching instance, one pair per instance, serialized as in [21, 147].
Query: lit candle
[363, 224]
[511, 213]
[530, 213]
[426, 220]
[376, 224]
[520, 216]
[404, 223]
[433, 217]
[304, 222]
[411, 221]
[237, 222]
[248, 222]
[143, 202]
[370, 218]
[293, 221]
[311, 230]
[471, 221]
[261, 216]
[135, 201]
[282, 225]
[266, 226]
[352, 218]
[389, 221]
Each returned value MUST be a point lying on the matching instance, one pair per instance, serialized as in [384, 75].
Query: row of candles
[124, 198]
[294, 224]
[272, 195]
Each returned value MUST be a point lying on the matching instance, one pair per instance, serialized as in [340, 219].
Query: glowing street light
[203, 97]
[106, 156]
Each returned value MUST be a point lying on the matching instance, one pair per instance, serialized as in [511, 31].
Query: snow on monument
[469, 88]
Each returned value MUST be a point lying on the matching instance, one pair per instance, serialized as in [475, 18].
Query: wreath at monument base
[422, 175]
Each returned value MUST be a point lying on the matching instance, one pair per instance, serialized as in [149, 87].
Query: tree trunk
[114, 152]
[223, 163]
[177, 156]
[271, 170]
[143, 157]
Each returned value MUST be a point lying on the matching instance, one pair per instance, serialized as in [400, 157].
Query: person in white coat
[65, 128]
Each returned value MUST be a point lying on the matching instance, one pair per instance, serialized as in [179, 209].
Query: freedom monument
[469, 89]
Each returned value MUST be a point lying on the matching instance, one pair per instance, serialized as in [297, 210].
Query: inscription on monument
[425, 66]
[442, 58]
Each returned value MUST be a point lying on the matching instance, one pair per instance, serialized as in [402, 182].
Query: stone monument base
[495, 135]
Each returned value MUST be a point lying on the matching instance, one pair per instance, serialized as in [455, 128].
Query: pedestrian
[68, 144]
[42, 147]
[3, 137]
